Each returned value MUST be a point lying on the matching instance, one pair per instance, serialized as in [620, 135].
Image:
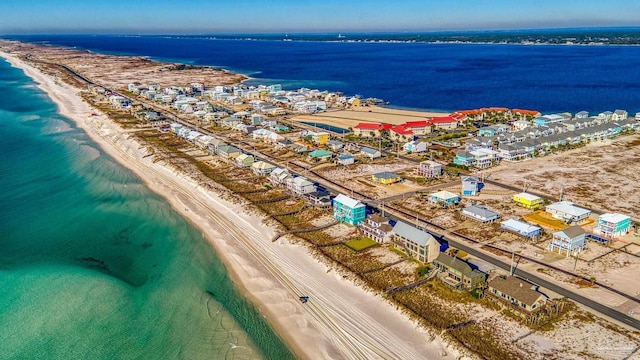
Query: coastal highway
[455, 242]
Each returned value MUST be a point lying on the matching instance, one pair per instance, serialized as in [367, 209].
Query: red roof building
[421, 127]
[369, 129]
[444, 122]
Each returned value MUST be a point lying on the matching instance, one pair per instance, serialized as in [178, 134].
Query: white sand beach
[340, 321]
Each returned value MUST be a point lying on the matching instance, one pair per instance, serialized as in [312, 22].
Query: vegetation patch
[361, 244]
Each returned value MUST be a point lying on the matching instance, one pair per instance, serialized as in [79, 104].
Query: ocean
[444, 77]
[93, 265]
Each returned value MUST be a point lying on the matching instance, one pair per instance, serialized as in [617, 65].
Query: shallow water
[94, 265]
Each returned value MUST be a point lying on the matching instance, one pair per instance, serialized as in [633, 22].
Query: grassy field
[361, 244]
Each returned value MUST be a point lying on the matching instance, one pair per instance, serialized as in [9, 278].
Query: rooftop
[516, 288]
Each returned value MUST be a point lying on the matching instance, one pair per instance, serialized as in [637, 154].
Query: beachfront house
[613, 225]
[262, 168]
[517, 294]
[243, 160]
[377, 228]
[416, 243]
[299, 185]
[345, 159]
[319, 199]
[348, 210]
[370, 153]
[480, 213]
[429, 169]
[528, 201]
[471, 185]
[444, 197]
[521, 228]
[568, 212]
[464, 158]
[320, 155]
[457, 273]
[278, 176]
[386, 178]
[228, 152]
[570, 241]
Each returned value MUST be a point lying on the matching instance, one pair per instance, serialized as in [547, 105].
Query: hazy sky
[215, 16]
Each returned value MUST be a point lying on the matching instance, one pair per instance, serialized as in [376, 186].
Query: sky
[260, 16]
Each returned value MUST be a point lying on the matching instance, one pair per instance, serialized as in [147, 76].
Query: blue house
[464, 158]
[470, 185]
[348, 210]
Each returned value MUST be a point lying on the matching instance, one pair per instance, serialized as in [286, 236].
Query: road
[337, 188]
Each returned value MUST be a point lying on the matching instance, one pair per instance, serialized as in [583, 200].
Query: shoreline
[271, 275]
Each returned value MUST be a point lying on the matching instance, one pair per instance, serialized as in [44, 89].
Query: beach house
[319, 199]
[348, 210]
[377, 228]
[262, 168]
[471, 185]
[570, 241]
[444, 197]
[613, 225]
[457, 273]
[516, 293]
[568, 212]
[528, 201]
[429, 169]
[415, 146]
[345, 159]
[464, 158]
[320, 155]
[370, 153]
[228, 152]
[243, 160]
[386, 178]
[480, 213]
[299, 185]
[416, 243]
[521, 228]
[278, 176]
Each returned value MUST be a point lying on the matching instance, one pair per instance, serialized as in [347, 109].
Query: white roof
[528, 196]
[348, 201]
[614, 218]
[444, 194]
[567, 207]
[520, 226]
[301, 181]
[262, 165]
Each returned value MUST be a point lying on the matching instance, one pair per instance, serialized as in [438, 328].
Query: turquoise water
[95, 266]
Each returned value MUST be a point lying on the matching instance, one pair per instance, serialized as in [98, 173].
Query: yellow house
[528, 201]
[320, 138]
[386, 177]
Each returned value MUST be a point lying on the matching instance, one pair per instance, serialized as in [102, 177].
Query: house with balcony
[429, 169]
[516, 294]
[444, 123]
[377, 228]
[228, 152]
[458, 274]
[471, 185]
[370, 153]
[414, 242]
[320, 155]
[243, 160]
[299, 185]
[528, 201]
[613, 225]
[418, 128]
[345, 159]
[570, 241]
[279, 176]
[319, 199]
[348, 210]
[464, 158]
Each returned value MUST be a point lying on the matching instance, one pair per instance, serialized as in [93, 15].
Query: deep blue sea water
[95, 266]
[446, 77]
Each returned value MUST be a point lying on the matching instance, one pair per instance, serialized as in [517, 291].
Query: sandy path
[341, 321]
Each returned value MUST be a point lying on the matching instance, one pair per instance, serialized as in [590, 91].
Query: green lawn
[361, 244]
